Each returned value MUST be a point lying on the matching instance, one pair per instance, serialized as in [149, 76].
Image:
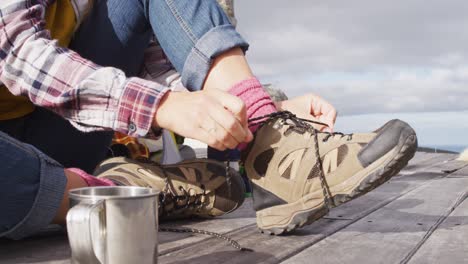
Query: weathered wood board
[390, 234]
[449, 242]
[412, 218]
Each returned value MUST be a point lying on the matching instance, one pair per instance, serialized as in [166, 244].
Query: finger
[326, 129]
[230, 124]
[329, 120]
[209, 139]
[236, 106]
[324, 111]
[225, 138]
[331, 116]
[233, 104]
[319, 126]
[249, 136]
[218, 132]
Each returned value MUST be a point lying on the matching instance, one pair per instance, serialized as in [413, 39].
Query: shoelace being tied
[296, 124]
[301, 125]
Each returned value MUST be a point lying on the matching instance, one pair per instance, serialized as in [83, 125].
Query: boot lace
[332, 134]
[231, 241]
[301, 126]
[297, 124]
[190, 202]
[180, 202]
[187, 201]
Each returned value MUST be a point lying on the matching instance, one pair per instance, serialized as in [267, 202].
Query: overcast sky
[364, 56]
[367, 57]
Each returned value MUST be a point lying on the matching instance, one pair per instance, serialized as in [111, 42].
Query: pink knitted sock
[256, 99]
[91, 180]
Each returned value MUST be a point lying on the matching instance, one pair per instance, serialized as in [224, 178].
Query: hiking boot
[298, 173]
[198, 187]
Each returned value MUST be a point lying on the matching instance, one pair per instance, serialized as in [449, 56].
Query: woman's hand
[214, 117]
[313, 107]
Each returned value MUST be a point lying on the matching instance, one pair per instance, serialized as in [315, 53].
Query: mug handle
[80, 233]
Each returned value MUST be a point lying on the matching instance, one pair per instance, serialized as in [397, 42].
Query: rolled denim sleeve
[194, 32]
[32, 188]
[208, 47]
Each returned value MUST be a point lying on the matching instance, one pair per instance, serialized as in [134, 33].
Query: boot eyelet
[279, 124]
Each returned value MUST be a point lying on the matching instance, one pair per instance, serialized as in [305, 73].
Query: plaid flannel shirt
[90, 96]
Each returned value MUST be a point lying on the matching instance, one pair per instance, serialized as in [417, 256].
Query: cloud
[364, 56]
[387, 91]
[436, 128]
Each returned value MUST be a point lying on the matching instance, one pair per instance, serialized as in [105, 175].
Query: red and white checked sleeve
[90, 96]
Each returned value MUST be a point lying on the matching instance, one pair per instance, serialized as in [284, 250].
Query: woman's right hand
[214, 117]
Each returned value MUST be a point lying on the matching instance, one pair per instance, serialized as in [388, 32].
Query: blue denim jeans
[58, 139]
[32, 187]
[191, 32]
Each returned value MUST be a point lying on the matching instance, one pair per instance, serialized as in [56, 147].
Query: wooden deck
[419, 216]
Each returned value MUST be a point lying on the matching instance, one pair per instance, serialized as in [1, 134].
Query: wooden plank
[448, 244]
[462, 172]
[429, 162]
[241, 222]
[239, 219]
[454, 165]
[383, 195]
[419, 156]
[49, 248]
[416, 162]
[389, 234]
[448, 166]
[397, 186]
[52, 247]
[267, 249]
[272, 249]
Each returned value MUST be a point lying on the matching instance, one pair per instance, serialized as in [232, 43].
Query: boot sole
[405, 151]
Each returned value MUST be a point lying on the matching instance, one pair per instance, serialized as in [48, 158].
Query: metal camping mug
[113, 225]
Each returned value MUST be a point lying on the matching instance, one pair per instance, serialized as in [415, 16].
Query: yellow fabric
[61, 21]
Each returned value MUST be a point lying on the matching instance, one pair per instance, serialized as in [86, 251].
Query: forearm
[228, 69]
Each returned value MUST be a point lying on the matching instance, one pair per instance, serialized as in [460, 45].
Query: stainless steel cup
[113, 225]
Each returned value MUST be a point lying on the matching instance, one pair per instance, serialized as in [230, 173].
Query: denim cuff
[49, 196]
[213, 43]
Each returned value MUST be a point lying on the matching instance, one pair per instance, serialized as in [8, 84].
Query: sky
[373, 60]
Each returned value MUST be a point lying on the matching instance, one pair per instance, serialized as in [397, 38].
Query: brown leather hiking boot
[298, 173]
[198, 187]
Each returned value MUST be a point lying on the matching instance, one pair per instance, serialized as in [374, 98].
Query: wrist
[160, 115]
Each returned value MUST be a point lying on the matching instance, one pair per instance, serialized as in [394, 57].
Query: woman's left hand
[313, 107]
